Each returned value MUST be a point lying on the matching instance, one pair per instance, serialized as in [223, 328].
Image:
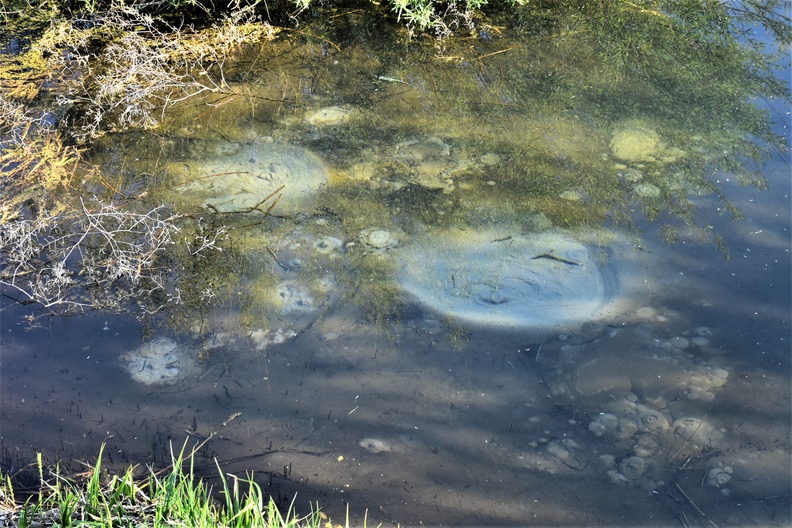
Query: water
[425, 399]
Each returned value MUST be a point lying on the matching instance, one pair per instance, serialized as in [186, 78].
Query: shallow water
[666, 397]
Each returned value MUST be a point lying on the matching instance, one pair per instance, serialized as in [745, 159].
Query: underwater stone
[646, 447]
[634, 467]
[542, 280]
[679, 342]
[652, 420]
[719, 476]
[490, 159]
[700, 341]
[697, 431]
[241, 178]
[328, 116]
[635, 144]
[558, 451]
[630, 175]
[264, 338]
[295, 297]
[379, 238]
[375, 445]
[647, 190]
[571, 196]
[327, 245]
[161, 361]
[616, 477]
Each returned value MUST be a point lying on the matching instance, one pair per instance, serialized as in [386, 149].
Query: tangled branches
[145, 66]
[100, 258]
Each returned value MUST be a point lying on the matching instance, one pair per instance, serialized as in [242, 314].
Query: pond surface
[457, 312]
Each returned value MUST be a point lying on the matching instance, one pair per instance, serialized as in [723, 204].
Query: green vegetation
[172, 496]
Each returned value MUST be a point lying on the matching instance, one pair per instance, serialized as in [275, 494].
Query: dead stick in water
[694, 504]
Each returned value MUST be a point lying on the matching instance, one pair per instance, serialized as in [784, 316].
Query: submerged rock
[542, 280]
[329, 116]
[236, 177]
[635, 144]
[161, 361]
[379, 239]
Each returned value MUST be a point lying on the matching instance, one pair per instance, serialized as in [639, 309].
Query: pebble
[679, 342]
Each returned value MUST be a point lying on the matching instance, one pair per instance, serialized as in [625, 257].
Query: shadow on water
[667, 403]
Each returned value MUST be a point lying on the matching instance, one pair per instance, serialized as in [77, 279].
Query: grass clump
[170, 497]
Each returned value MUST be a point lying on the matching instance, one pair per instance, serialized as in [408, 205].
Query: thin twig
[694, 504]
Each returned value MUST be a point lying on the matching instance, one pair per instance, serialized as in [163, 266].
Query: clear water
[372, 346]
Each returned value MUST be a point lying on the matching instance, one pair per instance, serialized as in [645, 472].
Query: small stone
[597, 428]
[571, 196]
[631, 175]
[719, 476]
[379, 238]
[570, 444]
[557, 451]
[375, 445]
[634, 467]
[679, 342]
[652, 420]
[327, 245]
[635, 144]
[616, 477]
[328, 116]
[490, 159]
[646, 312]
[647, 190]
[627, 427]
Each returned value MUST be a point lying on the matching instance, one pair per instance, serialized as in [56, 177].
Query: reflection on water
[440, 320]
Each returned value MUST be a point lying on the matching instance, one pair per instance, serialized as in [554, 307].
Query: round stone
[652, 420]
[328, 116]
[571, 196]
[249, 177]
[161, 361]
[635, 144]
[490, 159]
[634, 467]
[679, 342]
[647, 190]
[327, 245]
[719, 476]
[538, 280]
[646, 312]
[376, 445]
[379, 238]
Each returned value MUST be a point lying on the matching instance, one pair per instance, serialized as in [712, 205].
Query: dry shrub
[37, 170]
[145, 65]
[60, 247]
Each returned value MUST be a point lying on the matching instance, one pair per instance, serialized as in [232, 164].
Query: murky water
[443, 321]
